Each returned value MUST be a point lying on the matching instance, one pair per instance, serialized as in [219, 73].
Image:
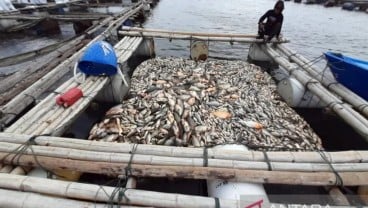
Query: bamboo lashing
[188, 152]
[91, 192]
[20, 102]
[18, 199]
[23, 185]
[344, 111]
[349, 96]
[73, 163]
[111, 157]
[97, 193]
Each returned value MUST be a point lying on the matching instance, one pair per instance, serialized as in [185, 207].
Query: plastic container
[70, 97]
[117, 90]
[199, 51]
[99, 59]
[296, 95]
[249, 192]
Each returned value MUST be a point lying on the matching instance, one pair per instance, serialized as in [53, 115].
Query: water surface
[312, 29]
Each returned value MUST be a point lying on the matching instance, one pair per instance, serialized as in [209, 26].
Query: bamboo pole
[93, 193]
[58, 118]
[33, 73]
[196, 37]
[98, 193]
[67, 153]
[188, 152]
[17, 199]
[137, 29]
[19, 171]
[349, 96]
[6, 169]
[20, 102]
[67, 17]
[314, 86]
[19, 58]
[208, 173]
[26, 123]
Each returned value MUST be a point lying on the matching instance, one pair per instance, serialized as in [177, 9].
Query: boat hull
[352, 73]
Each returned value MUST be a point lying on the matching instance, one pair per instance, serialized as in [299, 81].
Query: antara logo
[106, 48]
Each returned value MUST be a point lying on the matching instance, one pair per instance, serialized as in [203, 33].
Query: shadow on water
[336, 135]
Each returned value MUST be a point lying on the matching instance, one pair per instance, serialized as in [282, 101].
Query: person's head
[279, 6]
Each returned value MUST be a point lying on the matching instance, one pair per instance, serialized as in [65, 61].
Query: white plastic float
[234, 190]
[290, 89]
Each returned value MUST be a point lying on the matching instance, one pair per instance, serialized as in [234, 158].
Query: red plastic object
[69, 97]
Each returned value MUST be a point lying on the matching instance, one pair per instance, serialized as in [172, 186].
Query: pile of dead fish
[180, 102]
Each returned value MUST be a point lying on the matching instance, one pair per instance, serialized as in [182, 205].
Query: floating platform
[226, 104]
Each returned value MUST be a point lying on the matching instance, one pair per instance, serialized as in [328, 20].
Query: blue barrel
[99, 59]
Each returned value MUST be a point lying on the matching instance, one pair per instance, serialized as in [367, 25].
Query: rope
[338, 182]
[120, 188]
[205, 156]
[332, 104]
[120, 192]
[31, 96]
[267, 160]
[21, 150]
[128, 168]
[311, 81]
[217, 202]
[362, 107]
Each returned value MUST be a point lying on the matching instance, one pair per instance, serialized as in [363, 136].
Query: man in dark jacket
[273, 25]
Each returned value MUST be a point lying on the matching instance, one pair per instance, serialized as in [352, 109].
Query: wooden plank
[207, 173]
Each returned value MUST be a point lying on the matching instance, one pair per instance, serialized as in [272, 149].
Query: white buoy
[296, 95]
[146, 6]
[116, 90]
[250, 192]
[37, 172]
[257, 54]
[199, 51]
[146, 48]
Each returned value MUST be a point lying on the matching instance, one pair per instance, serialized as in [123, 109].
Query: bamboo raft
[13, 108]
[49, 118]
[347, 113]
[55, 153]
[88, 156]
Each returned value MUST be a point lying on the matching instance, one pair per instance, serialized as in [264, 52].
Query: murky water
[312, 29]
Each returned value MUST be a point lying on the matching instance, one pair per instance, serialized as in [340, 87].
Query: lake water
[312, 29]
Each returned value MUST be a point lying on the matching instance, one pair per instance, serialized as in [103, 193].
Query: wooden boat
[350, 72]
